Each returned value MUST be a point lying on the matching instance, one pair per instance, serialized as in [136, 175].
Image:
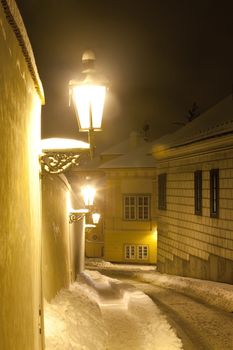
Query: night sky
[159, 56]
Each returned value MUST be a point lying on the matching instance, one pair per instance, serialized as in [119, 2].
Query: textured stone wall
[192, 245]
[20, 108]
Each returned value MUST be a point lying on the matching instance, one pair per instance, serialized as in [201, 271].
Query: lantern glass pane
[97, 105]
[89, 103]
[88, 193]
[95, 218]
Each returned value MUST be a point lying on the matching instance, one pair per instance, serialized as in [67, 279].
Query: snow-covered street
[199, 325]
[102, 313]
[99, 312]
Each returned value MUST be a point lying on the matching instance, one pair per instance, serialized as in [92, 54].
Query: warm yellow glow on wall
[155, 233]
[35, 126]
[68, 201]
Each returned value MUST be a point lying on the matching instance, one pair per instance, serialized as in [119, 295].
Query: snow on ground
[213, 293]
[98, 312]
[97, 263]
[73, 321]
[101, 313]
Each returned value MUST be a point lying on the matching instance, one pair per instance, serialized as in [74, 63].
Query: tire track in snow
[200, 326]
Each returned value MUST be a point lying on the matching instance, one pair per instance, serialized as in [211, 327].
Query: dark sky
[160, 56]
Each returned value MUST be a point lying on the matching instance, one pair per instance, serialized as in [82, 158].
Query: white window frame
[136, 211]
[130, 209]
[130, 252]
[136, 252]
[142, 252]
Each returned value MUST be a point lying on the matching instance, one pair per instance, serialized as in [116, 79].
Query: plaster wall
[20, 108]
[192, 245]
[95, 241]
[60, 239]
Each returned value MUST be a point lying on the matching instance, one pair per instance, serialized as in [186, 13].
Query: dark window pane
[140, 200]
[146, 213]
[132, 213]
[140, 213]
[214, 193]
[132, 201]
[198, 192]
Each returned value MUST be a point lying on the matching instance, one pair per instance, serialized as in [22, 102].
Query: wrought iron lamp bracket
[75, 217]
[55, 162]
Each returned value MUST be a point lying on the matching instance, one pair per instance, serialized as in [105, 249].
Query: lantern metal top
[88, 55]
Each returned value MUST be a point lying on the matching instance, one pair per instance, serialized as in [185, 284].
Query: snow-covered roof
[140, 157]
[89, 165]
[215, 121]
[120, 148]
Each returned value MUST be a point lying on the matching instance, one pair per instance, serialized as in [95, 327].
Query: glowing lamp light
[88, 193]
[95, 217]
[88, 97]
[89, 105]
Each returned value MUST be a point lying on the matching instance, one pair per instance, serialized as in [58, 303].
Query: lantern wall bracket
[56, 162]
[77, 215]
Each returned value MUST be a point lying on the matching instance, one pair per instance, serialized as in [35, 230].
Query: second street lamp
[88, 97]
[88, 193]
[95, 217]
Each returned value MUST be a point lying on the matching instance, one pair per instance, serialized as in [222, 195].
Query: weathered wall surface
[59, 238]
[192, 245]
[20, 108]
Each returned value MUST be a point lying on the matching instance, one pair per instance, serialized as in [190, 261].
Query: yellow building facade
[130, 232]
[124, 177]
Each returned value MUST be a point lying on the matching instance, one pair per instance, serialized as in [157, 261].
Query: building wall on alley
[198, 246]
[195, 225]
[59, 237]
[21, 96]
[133, 239]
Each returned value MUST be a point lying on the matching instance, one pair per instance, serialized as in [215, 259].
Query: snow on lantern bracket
[58, 155]
[88, 96]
